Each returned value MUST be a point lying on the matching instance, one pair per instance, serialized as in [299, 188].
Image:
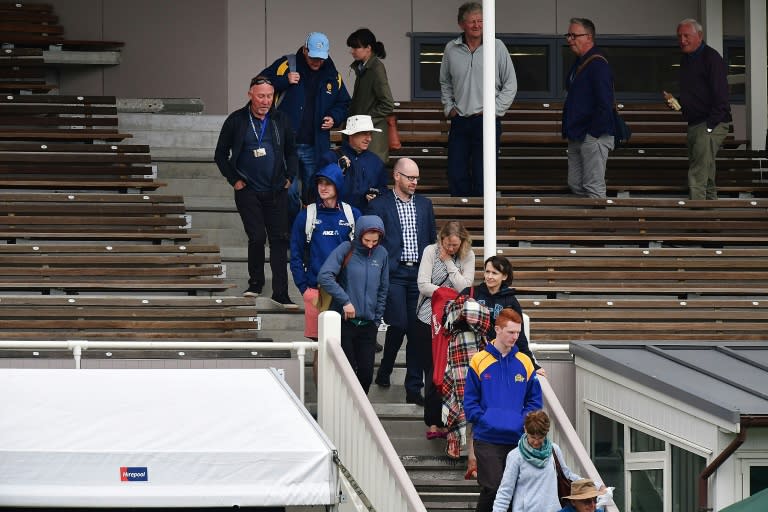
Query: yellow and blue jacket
[499, 393]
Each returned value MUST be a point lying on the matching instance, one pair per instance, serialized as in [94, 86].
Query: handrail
[565, 435]
[77, 347]
[348, 419]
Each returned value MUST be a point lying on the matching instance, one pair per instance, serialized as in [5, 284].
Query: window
[686, 467]
[643, 66]
[635, 463]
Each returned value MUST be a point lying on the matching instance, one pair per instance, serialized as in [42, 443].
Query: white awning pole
[489, 128]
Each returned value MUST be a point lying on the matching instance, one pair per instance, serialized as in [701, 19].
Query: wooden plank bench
[59, 118]
[67, 216]
[77, 166]
[572, 220]
[567, 320]
[612, 272]
[536, 123]
[77, 268]
[534, 158]
[142, 317]
[35, 25]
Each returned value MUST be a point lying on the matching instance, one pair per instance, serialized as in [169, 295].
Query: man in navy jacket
[704, 103]
[256, 154]
[588, 112]
[309, 89]
[409, 221]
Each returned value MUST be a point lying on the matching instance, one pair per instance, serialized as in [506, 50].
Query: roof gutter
[745, 423]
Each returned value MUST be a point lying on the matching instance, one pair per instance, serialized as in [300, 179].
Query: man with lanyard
[256, 154]
[311, 92]
[461, 92]
[409, 221]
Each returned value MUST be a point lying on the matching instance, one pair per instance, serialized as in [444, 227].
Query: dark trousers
[400, 314]
[491, 460]
[265, 215]
[359, 345]
[465, 155]
[433, 400]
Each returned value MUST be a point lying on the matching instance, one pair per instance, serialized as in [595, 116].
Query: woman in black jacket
[496, 294]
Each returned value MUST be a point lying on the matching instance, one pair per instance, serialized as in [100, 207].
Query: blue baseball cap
[318, 45]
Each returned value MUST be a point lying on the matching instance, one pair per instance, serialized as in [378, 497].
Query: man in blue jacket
[310, 91]
[256, 154]
[588, 112]
[501, 389]
[329, 228]
[409, 220]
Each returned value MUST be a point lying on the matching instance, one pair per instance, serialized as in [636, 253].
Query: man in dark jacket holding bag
[256, 154]
[588, 112]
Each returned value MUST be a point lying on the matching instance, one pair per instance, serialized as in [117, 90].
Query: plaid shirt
[406, 211]
[468, 321]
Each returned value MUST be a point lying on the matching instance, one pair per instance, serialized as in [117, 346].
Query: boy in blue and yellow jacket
[501, 389]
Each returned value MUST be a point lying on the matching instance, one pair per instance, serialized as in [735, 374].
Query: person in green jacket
[371, 95]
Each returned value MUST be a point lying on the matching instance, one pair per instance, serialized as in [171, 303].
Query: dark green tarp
[755, 503]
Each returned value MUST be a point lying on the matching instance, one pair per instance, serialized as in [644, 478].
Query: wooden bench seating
[77, 166]
[80, 268]
[69, 216]
[572, 220]
[614, 272]
[536, 123]
[629, 171]
[566, 320]
[143, 317]
[534, 158]
[35, 25]
[47, 117]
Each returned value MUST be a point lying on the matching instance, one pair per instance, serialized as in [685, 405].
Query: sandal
[453, 450]
[471, 473]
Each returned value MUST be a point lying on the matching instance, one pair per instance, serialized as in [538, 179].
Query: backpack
[309, 226]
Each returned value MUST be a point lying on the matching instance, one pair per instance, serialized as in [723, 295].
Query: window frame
[555, 45]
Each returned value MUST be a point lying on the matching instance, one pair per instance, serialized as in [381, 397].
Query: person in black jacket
[257, 155]
[495, 294]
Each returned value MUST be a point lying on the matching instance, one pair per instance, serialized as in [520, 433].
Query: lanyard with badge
[260, 151]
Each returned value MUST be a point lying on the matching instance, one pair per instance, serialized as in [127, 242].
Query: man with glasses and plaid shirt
[409, 221]
[257, 155]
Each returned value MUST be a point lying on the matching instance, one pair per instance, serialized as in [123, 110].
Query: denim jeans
[298, 192]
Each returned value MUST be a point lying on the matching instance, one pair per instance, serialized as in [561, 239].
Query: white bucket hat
[357, 124]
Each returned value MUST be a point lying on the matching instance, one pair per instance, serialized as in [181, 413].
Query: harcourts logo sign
[134, 474]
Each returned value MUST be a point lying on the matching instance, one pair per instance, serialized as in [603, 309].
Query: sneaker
[285, 302]
[251, 292]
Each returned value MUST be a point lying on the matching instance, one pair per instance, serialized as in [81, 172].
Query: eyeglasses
[571, 35]
[411, 179]
[259, 80]
[587, 501]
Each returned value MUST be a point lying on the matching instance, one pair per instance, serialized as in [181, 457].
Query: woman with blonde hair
[448, 263]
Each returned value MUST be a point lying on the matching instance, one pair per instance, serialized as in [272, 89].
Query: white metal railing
[348, 419]
[566, 437]
[78, 346]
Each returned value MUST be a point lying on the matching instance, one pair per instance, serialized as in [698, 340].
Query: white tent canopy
[154, 438]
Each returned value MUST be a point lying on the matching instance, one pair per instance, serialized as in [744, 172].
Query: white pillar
[712, 20]
[757, 75]
[328, 331]
[489, 128]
